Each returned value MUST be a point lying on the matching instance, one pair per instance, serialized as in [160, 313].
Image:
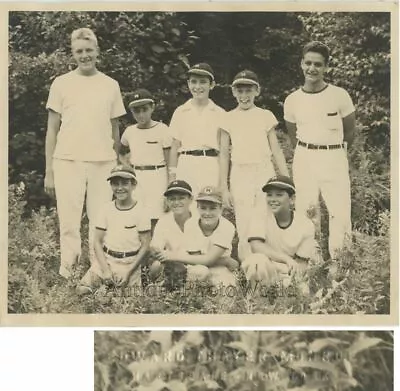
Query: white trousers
[74, 182]
[246, 182]
[150, 190]
[325, 172]
[198, 171]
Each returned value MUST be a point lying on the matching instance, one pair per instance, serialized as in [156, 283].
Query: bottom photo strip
[202, 360]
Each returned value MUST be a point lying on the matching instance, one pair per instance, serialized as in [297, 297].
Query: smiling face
[179, 203]
[245, 95]
[279, 200]
[85, 53]
[314, 66]
[200, 86]
[209, 212]
[142, 114]
[122, 188]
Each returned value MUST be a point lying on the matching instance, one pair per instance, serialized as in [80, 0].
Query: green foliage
[243, 360]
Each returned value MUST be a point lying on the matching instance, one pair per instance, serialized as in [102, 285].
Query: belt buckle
[204, 152]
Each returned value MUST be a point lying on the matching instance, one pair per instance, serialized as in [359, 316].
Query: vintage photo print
[243, 360]
[222, 161]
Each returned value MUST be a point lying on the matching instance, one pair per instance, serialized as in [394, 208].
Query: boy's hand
[49, 184]
[227, 198]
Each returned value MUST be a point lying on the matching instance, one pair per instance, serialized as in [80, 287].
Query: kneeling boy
[208, 242]
[122, 237]
[282, 241]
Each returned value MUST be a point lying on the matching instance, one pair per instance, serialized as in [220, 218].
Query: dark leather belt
[201, 152]
[148, 167]
[316, 146]
[119, 254]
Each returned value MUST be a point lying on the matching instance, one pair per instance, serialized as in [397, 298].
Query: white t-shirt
[146, 145]
[318, 116]
[197, 129]
[123, 226]
[167, 234]
[86, 104]
[297, 239]
[195, 241]
[248, 130]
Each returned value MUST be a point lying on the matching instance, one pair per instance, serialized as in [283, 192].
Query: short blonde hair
[84, 33]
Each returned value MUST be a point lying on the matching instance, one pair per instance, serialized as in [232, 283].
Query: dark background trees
[153, 50]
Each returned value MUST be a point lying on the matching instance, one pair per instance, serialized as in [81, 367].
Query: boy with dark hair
[282, 240]
[320, 119]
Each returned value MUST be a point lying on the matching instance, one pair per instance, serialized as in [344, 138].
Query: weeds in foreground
[361, 286]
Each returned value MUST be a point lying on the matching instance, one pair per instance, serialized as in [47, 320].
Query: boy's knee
[198, 273]
[257, 267]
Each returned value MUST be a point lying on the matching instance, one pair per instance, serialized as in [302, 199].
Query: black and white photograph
[181, 162]
[243, 360]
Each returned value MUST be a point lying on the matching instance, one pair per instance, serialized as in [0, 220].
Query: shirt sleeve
[166, 136]
[159, 239]
[117, 108]
[308, 246]
[256, 230]
[175, 125]
[288, 111]
[101, 221]
[54, 101]
[223, 235]
[124, 137]
[144, 224]
[270, 120]
[346, 104]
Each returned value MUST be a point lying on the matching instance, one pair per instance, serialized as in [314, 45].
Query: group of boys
[217, 158]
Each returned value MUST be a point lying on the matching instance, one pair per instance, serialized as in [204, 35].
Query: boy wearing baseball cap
[195, 127]
[169, 231]
[146, 146]
[122, 237]
[208, 242]
[251, 132]
[282, 240]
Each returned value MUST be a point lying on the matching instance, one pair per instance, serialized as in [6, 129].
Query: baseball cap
[202, 69]
[210, 193]
[140, 98]
[122, 171]
[280, 182]
[178, 187]
[246, 77]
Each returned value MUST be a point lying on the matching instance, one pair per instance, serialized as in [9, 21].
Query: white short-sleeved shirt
[167, 234]
[297, 239]
[146, 145]
[248, 130]
[197, 129]
[318, 116]
[195, 241]
[123, 226]
[86, 104]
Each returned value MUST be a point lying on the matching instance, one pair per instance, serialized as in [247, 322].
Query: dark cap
[141, 97]
[211, 194]
[246, 77]
[202, 69]
[122, 171]
[280, 182]
[178, 187]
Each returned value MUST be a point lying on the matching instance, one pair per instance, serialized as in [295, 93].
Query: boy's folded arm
[277, 152]
[259, 246]
[145, 238]
[208, 259]
[98, 249]
[224, 158]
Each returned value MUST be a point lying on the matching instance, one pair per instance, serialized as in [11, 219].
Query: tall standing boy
[251, 131]
[195, 127]
[82, 142]
[320, 119]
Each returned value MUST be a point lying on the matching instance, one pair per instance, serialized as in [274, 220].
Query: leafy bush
[243, 360]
